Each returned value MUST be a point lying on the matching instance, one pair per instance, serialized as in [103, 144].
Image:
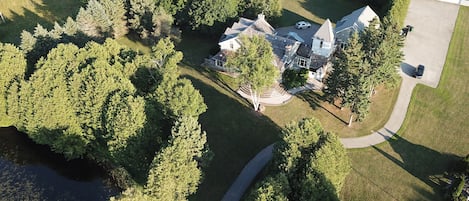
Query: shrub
[294, 78]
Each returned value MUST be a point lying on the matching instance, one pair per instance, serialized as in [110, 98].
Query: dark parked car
[419, 71]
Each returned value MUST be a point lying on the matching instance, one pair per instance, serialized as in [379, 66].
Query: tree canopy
[309, 164]
[12, 69]
[254, 62]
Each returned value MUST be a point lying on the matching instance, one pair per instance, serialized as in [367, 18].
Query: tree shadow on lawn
[51, 10]
[421, 162]
[235, 133]
[288, 18]
[314, 100]
[334, 10]
[10, 31]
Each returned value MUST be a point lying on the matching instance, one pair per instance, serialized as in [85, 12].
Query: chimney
[261, 16]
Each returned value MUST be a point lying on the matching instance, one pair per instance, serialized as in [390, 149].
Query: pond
[29, 171]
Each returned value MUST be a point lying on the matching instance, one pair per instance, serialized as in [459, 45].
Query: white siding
[324, 50]
[231, 45]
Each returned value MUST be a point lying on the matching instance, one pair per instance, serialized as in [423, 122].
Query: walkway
[427, 44]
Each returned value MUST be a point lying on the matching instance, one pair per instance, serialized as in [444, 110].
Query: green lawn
[316, 10]
[25, 14]
[333, 119]
[235, 133]
[433, 134]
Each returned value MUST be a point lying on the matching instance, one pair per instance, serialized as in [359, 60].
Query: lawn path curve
[427, 44]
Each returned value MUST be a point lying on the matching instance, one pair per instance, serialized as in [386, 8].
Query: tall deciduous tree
[310, 164]
[175, 172]
[206, 13]
[172, 6]
[270, 8]
[80, 98]
[254, 62]
[326, 171]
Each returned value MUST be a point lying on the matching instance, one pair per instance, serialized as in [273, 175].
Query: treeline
[148, 20]
[370, 58]
[130, 112]
[398, 11]
[309, 164]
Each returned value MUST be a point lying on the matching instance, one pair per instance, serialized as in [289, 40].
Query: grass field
[25, 14]
[316, 11]
[434, 133]
[235, 133]
[333, 119]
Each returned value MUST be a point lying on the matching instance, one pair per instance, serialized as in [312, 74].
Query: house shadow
[407, 69]
[422, 162]
[335, 9]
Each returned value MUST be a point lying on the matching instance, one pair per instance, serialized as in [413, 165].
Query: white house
[323, 40]
[284, 49]
[229, 40]
[354, 22]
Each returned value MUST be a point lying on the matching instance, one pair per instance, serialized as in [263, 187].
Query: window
[302, 62]
[219, 63]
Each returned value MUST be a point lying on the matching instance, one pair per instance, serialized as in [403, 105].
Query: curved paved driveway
[427, 44]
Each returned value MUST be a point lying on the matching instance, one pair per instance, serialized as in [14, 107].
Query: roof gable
[325, 32]
[360, 18]
[248, 27]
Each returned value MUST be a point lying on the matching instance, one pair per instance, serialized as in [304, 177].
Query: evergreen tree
[40, 31]
[28, 41]
[148, 20]
[382, 44]
[57, 32]
[175, 172]
[176, 96]
[253, 61]
[70, 27]
[350, 80]
[116, 11]
[94, 21]
[12, 71]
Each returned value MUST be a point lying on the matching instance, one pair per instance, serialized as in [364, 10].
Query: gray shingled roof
[325, 32]
[360, 17]
[248, 27]
[279, 46]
